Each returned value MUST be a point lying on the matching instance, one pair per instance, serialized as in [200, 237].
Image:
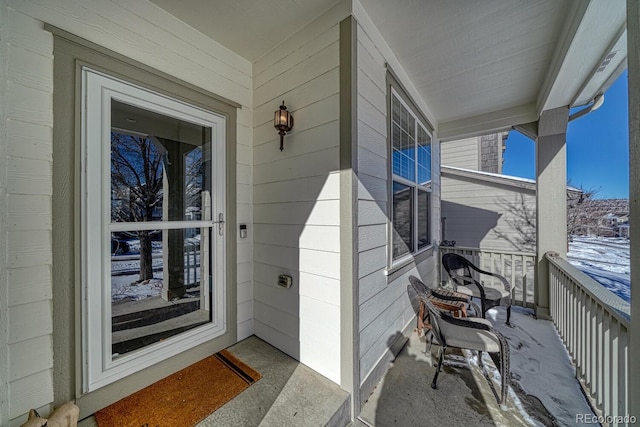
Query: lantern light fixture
[283, 122]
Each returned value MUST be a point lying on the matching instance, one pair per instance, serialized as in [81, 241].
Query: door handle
[220, 223]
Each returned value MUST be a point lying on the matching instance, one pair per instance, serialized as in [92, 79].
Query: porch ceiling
[249, 28]
[480, 66]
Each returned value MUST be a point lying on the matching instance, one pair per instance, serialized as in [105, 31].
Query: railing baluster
[594, 347]
[623, 371]
[614, 328]
[582, 335]
[606, 362]
[570, 317]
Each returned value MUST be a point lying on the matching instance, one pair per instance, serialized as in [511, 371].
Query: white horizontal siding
[29, 140]
[138, 30]
[313, 237]
[29, 284]
[30, 357]
[145, 32]
[34, 388]
[296, 196]
[319, 187]
[322, 263]
[29, 212]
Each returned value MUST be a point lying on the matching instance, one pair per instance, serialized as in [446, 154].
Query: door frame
[99, 90]
[71, 53]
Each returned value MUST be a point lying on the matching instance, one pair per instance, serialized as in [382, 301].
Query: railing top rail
[620, 308]
[494, 251]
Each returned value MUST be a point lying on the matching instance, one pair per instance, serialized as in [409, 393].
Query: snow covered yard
[125, 270]
[604, 259]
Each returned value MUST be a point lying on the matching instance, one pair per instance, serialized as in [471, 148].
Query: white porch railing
[191, 264]
[517, 267]
[594, 325]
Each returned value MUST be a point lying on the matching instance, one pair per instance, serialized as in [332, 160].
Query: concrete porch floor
[404, 396]
[291, 394]
[543, 389]
[288, 394]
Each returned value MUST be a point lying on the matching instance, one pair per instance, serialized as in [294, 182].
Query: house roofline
[512, 181]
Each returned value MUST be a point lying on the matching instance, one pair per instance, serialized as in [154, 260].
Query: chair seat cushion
[471, 338]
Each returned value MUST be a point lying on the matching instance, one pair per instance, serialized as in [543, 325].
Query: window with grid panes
[411, 183]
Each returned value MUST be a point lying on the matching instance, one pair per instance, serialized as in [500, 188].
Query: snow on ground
[125, 271]
[541, 367]
[604, 259]
[540, 364]
[126, 288]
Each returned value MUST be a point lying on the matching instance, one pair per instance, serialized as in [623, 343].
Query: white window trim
[404, 260]
[99, 369]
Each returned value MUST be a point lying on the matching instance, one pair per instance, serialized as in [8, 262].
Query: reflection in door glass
[160, 173]
[171, 297]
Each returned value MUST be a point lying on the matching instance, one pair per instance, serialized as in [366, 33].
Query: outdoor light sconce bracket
[283, 122]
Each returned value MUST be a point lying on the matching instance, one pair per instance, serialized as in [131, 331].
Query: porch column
[173, 240]
[551, 198]
[633, 61]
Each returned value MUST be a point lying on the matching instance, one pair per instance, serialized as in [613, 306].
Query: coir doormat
[184, 398]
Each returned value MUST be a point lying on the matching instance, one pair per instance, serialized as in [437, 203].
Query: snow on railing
[594, 323]
[517, 267]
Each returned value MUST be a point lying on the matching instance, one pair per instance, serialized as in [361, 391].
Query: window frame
[394, 263]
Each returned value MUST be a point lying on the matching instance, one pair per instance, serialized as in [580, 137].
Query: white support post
[551, 198]
[633, 61]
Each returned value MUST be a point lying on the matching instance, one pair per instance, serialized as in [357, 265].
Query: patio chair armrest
[500, 277]
[459, 280]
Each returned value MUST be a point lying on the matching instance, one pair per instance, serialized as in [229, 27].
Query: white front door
[153, 241]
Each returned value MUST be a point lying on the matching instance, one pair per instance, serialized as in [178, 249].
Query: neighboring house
[488, 211]
[614, 225]
[349, 209]
[602, 217]
[479, 153]
[482, 208]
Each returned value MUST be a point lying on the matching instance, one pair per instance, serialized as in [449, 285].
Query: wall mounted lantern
[283, 121]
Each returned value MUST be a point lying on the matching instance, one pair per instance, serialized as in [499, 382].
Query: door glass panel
[159, 166]
[157, 292]
[159, 173]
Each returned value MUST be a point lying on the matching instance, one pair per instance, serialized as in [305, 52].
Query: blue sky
[597, 148]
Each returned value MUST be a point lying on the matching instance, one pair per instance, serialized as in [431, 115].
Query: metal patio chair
[471, 334]
[460, 270]
[443, 298]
